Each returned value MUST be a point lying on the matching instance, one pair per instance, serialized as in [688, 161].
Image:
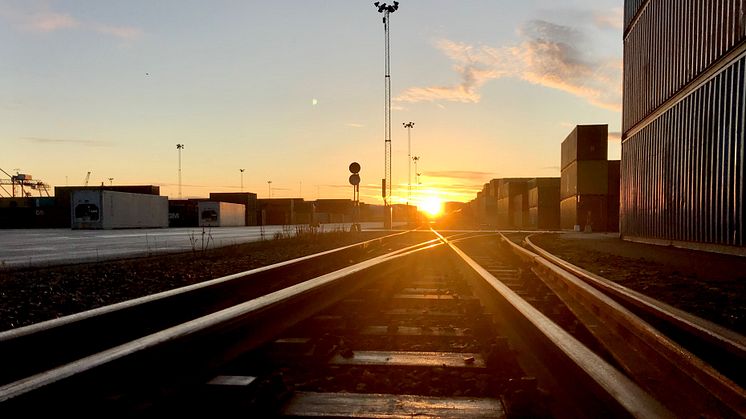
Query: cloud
[549, 55]
[458, 174]
[613, 19]
[40, 18]
[48, 21]
[354, 125]
[128, 33]
[90, 143]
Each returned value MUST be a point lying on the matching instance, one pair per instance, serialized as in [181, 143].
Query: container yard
[561, 236]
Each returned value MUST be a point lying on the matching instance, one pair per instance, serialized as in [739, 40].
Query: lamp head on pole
[385, 8]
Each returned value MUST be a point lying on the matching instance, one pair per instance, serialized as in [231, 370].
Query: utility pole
[179, 147]
[409, 125]
[241, 179]
[386, 10]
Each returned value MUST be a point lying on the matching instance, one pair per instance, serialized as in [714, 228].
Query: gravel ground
[709, 285]
[33, 295]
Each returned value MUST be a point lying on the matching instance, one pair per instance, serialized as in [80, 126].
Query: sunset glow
[431, 206]
[94, 89]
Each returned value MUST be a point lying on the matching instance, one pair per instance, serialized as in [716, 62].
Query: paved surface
[38, 247]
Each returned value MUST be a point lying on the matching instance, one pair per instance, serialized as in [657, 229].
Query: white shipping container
[99, 209]
[221, 214]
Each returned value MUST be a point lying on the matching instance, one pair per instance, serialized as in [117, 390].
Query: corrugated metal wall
[671, 43]
[630, 10]
[683, 174]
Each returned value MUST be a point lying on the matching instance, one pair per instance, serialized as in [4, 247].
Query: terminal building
[682, 167]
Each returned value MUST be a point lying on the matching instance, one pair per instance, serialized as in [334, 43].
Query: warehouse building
[682, 169]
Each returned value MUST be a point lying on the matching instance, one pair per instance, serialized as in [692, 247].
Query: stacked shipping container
[584, 179]
[682, 172]
[544, 203]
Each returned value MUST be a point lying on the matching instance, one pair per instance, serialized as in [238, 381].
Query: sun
[432, 206]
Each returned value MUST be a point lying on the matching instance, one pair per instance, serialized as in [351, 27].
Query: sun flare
[432, 206]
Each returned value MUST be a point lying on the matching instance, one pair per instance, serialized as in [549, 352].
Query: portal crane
[22, 181]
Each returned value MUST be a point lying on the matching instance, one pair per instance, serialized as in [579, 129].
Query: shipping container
[584, 212]
[101, 209]
[544, 218]
[670, 45]
[247, 199]
[221, 214]
[544, 192]
[684, 84]
[28, 212]
[511, 186]
[512, 212]
[279, 211]
[585, 177]
[682, 175]
[63, 194]
[613, 177]
[183, 212]
[585, 142]
[502, 219]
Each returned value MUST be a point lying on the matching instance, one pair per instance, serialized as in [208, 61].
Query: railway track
[446, 327]
[25, 351]
[654, 343]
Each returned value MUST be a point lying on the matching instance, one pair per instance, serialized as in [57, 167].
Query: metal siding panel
[741, 136]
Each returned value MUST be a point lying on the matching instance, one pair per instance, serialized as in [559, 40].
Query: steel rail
[217, 337]
[613, 384]
[113, 324]
[672, 374]
[727, 348]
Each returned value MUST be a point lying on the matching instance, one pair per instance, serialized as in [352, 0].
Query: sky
[292, 92]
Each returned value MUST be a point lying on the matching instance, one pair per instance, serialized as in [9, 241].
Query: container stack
[512, 203]
[585, 179]
[544, 203]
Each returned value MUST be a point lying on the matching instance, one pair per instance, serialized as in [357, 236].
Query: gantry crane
[22, 181]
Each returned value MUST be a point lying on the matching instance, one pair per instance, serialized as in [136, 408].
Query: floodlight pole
[269, 189]
[409, 126]
[179, 147]
[386, 10]
[415, 159]
[241, 178]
